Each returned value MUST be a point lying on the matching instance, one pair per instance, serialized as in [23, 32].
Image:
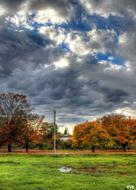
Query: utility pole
[54, 124]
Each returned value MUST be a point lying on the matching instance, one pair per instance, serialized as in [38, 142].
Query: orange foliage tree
[90, 135]
[121, 129]
[131, 124]
[17, 125]
[31, 130]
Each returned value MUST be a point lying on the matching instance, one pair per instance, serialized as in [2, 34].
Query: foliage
[14, 108]
[120, 128]
[18, 126]
[109, 131]
[90, 135]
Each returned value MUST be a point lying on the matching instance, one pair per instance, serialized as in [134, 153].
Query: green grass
[94, 172]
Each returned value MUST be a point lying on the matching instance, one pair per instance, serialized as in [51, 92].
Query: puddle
[65, 169]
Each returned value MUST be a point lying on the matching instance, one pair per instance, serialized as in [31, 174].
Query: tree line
[20, 127]
[112, 131]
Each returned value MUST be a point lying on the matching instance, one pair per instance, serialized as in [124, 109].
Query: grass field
[94, 172]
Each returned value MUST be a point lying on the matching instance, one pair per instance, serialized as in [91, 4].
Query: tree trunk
[27, 146]
[41, 146]
[124, 146]
[93, 148]
[9, 148]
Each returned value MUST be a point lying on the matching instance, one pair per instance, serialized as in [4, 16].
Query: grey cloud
[12, 5]
[60, 90]
[25, 49]
[63, 89]
[111, 6]
[128, 47]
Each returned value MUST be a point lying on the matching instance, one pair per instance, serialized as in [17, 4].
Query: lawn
[40, 172]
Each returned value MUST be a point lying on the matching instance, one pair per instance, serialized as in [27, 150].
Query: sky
[77, 57]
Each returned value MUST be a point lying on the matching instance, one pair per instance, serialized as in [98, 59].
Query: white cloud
[61, 63]
[2, 10]
[94, 41]
[48, 15]
[123, 39]
[110, 66]
[55, 34]
[126, 111]
[20, 20]
[114, 67]
[77, 44]
[80, 43]
[74, 40]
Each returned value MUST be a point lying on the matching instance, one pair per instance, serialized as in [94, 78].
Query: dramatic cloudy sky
[75, 56]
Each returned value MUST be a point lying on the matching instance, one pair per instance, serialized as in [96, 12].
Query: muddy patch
[96, 170]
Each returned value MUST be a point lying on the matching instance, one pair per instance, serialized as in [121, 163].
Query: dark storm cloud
[12, 5]
[66, 92]
[63, 89]
[115, 95]
[26, 49]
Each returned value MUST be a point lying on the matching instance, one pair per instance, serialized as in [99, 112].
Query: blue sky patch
[114, 59]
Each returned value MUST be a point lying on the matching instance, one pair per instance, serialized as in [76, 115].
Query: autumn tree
[90, 135]
[46, 139]
[43, 135]
[118, 128]
[131, 125]
[12, 108]
[31, 130]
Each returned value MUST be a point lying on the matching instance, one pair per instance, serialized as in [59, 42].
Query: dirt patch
[92, 170]
[97, 169]
[69, 152]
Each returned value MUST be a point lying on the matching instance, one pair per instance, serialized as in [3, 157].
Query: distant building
[65, 136]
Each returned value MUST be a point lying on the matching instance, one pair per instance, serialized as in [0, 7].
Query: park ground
[89, 172]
